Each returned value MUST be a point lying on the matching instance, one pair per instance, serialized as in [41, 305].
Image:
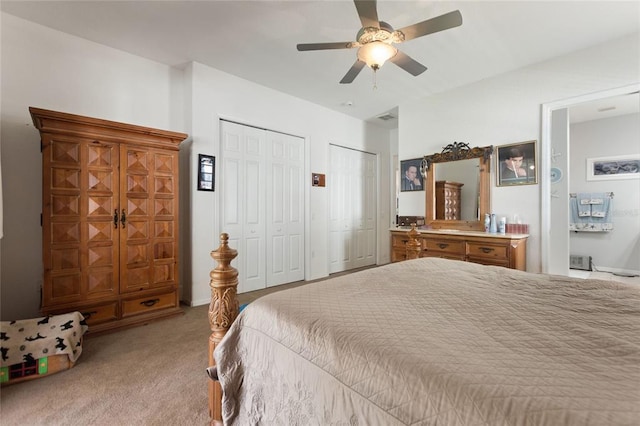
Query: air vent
[580, 262]
[386, 117]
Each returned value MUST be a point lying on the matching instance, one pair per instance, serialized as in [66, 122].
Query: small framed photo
[206, 172]
[410, 176]
[517, 164]
[614, 168]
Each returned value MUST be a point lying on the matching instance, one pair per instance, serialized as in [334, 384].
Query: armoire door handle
[115, 218]
[123, 218]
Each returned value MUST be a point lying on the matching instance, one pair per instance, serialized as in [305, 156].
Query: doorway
[555, 154]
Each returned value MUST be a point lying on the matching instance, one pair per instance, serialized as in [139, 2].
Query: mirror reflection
[457, 188]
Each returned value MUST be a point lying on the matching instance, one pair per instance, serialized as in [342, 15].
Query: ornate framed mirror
[457, 184]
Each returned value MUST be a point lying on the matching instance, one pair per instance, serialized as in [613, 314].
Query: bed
[434, 341]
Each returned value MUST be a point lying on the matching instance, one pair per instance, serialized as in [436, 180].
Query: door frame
[546, 223]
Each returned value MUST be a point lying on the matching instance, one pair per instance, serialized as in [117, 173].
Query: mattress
[436, 341]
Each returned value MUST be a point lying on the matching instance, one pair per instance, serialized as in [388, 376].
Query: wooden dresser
[109, 220]
[508, 250]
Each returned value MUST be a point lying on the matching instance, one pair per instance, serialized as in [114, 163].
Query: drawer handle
[88, 315]
[443, 246]
[405, 241]
[486, 249]
[149, 303]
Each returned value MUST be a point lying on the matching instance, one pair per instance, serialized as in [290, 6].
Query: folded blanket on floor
[26, 340]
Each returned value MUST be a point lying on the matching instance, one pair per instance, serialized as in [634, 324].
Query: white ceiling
[256, 40]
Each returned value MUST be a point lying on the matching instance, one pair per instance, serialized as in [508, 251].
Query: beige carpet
[149, 375]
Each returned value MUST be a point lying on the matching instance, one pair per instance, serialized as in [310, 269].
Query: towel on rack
[584, 204]
[591, 212]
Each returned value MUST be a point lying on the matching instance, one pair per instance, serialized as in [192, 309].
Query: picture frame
[517, 164]
[410, 177]
[206, 172]
[614, 168]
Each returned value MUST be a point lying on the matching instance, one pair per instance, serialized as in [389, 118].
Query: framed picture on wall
[410, 177]
[614, 168]
[517, 164]
[206, 172]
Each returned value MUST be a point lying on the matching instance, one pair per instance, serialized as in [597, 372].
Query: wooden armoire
[448, 200]
[109, 220]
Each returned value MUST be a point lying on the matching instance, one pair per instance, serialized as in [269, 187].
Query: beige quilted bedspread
[436, 342]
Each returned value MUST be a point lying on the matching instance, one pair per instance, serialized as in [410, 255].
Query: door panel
[285, 209]
[80, 252]
[352, 217]
[243, 208]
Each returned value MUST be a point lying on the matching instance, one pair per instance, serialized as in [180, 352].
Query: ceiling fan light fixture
[376, 53]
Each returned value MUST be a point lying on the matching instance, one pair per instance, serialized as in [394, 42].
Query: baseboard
[622, 272]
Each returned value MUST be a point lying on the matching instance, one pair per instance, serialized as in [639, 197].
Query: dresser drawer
[146, 304]
[444, 246]
[99, 314]
[487, 251]
[399, 241]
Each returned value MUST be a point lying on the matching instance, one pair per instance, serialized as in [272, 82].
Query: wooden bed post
[223, 310]
[413, 245]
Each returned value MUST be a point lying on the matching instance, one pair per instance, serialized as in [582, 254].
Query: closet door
[243, 186]
[352, 210]
[285, 209]
[80, 197]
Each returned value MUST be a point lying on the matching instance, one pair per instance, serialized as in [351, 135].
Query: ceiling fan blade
[433, 25]
[353, 72]
[408, 64]
[368, 13]
[325, 46]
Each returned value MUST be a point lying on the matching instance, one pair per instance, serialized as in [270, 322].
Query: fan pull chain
[375, 84]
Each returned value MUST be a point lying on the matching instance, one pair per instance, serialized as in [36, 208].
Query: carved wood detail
[223, 310]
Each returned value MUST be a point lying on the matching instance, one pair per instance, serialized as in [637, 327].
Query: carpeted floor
[149, 375]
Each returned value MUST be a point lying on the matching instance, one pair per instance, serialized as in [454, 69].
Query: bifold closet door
[352, 209]
[285, 209]
[262, 184]
[243, 185]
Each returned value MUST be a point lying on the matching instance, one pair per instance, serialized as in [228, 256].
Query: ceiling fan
[376, 38]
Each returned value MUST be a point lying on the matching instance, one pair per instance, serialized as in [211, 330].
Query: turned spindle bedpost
[413, 245]
[223, 310]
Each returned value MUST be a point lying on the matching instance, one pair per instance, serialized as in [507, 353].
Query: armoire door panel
[137, 161]
[164, 185]
[100, 283]
[137, 231]
[65, 178]
[63, 151]
[65, 205]
[137, 207]
[65, 288]
[137, 184]
[65, 259]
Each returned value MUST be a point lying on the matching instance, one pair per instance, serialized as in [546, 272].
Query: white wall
[618, 250]
[507, 109]
[53, 70]
[216, 95]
